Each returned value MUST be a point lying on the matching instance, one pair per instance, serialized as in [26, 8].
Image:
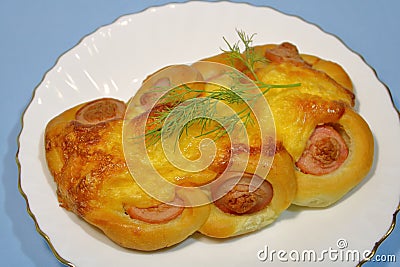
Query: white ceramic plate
[116, 58]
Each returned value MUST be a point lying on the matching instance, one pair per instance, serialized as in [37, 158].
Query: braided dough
[323, 149]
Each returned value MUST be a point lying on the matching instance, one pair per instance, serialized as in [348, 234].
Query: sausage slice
[248, 195]
[325, 152]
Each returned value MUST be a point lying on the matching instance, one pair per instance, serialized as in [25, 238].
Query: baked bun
[254, 202]
[244, 196]
[308, 114]
[337, 157]
[286, 66]
[331, 144]
[84, 154]
[304, 144]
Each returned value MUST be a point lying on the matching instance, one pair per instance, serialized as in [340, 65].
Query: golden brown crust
[309, 82]
[93, 181]
[136, 234]
[333, 69]
[84, 154]
[296, 115]
[285, 65]
[324, 95]
[79, 157]
[298, 111]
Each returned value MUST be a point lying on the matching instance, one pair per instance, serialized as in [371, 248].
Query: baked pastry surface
[322, 149]
[85, 157]
[312, 120]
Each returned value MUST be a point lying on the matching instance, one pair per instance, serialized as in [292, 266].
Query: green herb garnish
[203, 111]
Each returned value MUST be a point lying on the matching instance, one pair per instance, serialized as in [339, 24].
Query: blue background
[34, 33]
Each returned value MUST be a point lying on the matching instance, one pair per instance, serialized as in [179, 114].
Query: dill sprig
[248, 57]
[203, 110]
